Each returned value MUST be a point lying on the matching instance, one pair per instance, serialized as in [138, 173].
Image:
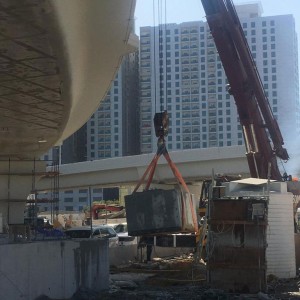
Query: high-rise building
[113, 130]
[180, 71]
[74, 148]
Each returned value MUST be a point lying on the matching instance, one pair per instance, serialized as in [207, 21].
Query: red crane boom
[262, 135]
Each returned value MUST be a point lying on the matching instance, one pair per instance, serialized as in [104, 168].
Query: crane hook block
[161, 124]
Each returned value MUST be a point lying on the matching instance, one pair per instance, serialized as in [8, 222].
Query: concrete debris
[130, 276]
[262, 296]
[247, 297]
[42, 297]
[127, 285]
[179, 278]
[85, 294]
[215, 294]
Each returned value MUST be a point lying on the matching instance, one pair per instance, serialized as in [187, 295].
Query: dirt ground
[179, 278]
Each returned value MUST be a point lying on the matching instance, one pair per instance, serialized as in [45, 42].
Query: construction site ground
[176, 278]
[181, 278]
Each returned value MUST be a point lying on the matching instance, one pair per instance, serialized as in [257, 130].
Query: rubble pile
[177, 278]
[180, 278]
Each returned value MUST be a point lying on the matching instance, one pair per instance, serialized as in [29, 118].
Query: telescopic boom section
[255, 114]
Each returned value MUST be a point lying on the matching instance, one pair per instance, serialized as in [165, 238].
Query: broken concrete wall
[236, 245]
[264, 236]
[56, 269]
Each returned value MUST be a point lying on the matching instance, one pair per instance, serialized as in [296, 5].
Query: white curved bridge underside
[57, 60]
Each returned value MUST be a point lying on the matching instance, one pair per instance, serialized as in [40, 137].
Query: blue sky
[179, 11]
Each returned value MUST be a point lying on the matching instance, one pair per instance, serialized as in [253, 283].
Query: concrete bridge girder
[194, 165]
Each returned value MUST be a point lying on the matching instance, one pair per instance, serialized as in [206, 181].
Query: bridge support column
[17, 182]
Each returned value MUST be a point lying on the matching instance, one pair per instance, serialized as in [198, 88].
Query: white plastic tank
[280, 253]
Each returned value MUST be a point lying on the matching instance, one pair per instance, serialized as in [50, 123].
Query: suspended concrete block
[160, 211]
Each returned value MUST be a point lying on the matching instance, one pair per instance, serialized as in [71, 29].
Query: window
[69, 192]
[68, 200]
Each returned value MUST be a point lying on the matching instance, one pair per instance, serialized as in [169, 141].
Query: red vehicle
[102, 210]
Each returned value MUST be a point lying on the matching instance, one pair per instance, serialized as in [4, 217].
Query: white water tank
[280, 253]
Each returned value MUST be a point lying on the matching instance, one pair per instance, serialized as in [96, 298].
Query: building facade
[181, 72]
[112, 131]
[74, 148]
[79, 199]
